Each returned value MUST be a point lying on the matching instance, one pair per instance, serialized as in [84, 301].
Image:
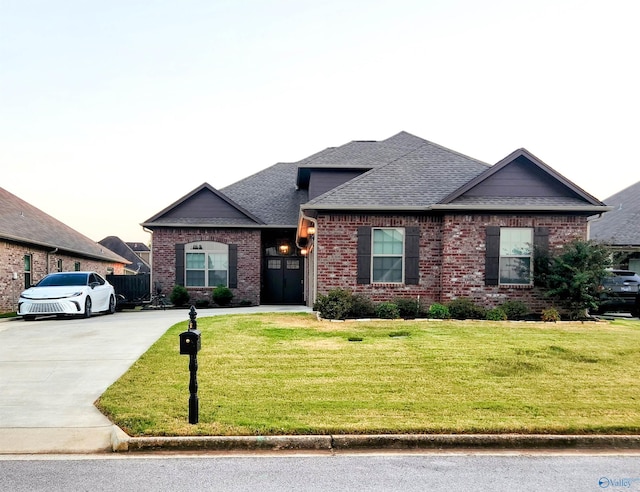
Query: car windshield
[63, 280]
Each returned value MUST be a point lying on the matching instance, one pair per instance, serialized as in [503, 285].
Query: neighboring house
[402, 217]
[134, 252]
[142, 250]
[33, 244]
[620, 228]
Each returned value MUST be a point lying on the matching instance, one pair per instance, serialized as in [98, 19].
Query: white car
[68, 293]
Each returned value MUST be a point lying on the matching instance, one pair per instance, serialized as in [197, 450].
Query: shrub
[464, 308]
[438, 311]
[361, 307]
[245, 302]
[202, 303]
[222, 295]
[407, 307]
[335, 305]
[496, 314]
[179, 296]
[550, 315]
[387, 310]
[515, 309]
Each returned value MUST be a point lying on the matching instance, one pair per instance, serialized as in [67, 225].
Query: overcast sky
[112, 110]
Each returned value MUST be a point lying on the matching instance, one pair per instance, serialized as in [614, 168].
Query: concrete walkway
[53, 370]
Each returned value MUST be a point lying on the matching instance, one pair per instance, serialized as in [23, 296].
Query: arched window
[206, 264]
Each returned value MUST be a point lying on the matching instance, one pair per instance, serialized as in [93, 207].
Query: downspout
[48, 259]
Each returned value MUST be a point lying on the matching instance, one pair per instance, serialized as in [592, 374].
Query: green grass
[292, 374]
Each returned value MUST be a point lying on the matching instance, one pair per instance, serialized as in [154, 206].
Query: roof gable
[22, 222]
[521, 180]
[204, 206]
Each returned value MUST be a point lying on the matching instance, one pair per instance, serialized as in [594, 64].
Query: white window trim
[530, 256]
[382, 255]
[206, 248]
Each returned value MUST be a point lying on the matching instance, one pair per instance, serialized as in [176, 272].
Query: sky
[111, 111]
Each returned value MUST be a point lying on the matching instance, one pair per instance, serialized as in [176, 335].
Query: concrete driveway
[53, 370]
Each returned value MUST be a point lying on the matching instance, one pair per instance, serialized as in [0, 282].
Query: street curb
[375, 442]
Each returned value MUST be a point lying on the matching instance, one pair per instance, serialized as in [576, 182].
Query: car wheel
[87, 307]
[112, 305]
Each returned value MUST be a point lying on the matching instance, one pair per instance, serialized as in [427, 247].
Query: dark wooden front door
[283, 280]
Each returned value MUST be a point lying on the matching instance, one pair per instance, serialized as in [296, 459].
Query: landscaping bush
[387, 310]
[550, 315]
[407, 307]
[222, 295]
[464, 308]
[496, 314]
[361, 307]
[336, 304]
[438, 311]
[179, 296]
[515, 309]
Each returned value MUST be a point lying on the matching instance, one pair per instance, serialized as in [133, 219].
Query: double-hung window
[206, 264]
[516, 256]
[387, 256]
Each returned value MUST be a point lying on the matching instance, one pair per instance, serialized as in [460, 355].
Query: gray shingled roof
[270, 194]
[118, 246]
[364, 154]
[416, 179]
[620, 226]
[23, 223]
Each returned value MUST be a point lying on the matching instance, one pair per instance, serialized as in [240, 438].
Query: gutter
[447, 207]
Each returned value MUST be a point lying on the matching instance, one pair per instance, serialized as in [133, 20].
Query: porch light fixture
[284, 248]
[311, 230]
[304, 251]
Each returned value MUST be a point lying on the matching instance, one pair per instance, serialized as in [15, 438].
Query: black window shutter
[412, 256]
[180, 264]
[540, 254]
[492, 256]
[541, 240]
[233, 266]
[364, 255]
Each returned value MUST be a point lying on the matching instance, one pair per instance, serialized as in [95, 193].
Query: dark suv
[619, 292]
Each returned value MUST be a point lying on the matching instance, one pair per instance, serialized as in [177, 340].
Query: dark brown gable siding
[204, 205]
[322, 181]
[521, 178]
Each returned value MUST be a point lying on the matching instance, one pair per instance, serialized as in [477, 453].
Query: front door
[283, 280]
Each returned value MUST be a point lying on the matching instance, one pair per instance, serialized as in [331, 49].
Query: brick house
[401, 217]
[33, 244]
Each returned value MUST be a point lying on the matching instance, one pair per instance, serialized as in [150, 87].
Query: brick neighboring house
[401, 217]
[33, 244]
[620, 228]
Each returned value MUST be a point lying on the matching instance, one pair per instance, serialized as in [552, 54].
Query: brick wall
[163, 259]
[452, 255]
[463, 255]
[12, 261]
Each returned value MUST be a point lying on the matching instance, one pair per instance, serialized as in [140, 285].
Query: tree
[573, 277]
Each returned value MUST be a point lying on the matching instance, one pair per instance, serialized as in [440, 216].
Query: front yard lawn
[269, 374]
